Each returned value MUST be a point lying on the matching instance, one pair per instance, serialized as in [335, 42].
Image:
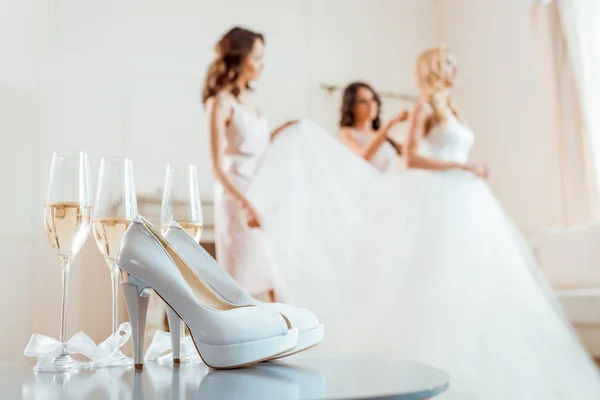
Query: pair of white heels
[228, 326]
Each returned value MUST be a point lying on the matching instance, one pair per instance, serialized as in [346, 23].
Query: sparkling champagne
[67, 227]
[109, 233]
[194, 229]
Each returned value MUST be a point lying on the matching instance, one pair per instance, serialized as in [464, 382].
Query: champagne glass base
[62, 364]
[116, 360]
[187, 360]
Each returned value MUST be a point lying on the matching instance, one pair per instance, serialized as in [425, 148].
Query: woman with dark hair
[239, 135]
[361, 130]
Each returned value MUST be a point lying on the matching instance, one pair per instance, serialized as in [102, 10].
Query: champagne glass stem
[114, 278]
[63, 302]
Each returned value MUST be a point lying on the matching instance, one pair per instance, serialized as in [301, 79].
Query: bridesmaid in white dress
[239, 135]
[361, 130]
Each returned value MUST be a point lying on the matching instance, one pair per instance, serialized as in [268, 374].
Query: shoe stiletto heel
[137, 295]
[175, 330]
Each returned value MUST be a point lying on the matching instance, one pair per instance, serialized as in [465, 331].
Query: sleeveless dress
[386, 157]
[240, 249]
[422, 265]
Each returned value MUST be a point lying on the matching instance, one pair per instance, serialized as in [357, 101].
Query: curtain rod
[398, 96]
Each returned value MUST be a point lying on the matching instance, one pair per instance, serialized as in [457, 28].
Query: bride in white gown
[423, 265]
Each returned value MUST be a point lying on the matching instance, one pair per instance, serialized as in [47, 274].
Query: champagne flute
[67, 217]
[181, 200]
[114, 209]
[181, 203]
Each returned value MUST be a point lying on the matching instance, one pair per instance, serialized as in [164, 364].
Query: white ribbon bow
[113, 343]
[161, 342]
[47, 348]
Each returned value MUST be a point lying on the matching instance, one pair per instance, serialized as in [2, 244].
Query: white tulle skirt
[421, 265]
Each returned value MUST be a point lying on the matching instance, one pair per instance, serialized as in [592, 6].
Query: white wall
[123, 77]
[499, 90]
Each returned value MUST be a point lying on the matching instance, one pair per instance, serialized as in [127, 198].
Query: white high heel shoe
[310, 331]
[225, 335]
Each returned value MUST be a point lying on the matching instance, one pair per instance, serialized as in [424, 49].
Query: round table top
[299, 377]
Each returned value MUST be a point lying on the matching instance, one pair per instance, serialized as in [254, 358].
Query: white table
[300, 377]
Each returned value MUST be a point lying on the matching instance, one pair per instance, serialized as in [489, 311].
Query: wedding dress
[421, 265]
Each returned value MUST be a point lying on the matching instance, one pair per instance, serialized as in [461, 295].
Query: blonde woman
[479, 306]
[435, 113]
[424, 265]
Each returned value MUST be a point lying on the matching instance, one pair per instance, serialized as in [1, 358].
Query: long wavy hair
[347, 111]
[349, 101]
[226, 68]
[432, 79]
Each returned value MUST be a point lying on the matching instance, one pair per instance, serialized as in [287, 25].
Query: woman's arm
[382, 136]
[367, 152]
[282, 127]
